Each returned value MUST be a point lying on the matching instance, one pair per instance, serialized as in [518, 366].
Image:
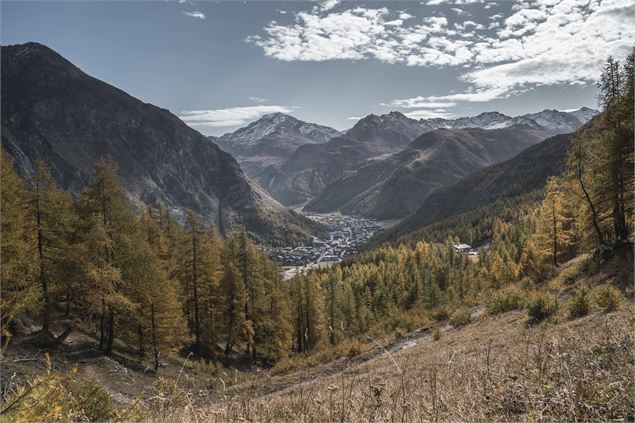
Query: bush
[166, 394]
[541, 307]
[440, 314]
[436, 335]
[400, 333]
[579, 304]
[460, 317]
[506, 299]
[354, 348]
[608, 298]
[57, 396]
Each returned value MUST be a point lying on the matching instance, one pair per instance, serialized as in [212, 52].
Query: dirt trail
[275, 385]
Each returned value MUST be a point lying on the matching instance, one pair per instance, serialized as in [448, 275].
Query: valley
[345, 235]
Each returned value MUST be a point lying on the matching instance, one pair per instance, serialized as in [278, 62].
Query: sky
[220, 65]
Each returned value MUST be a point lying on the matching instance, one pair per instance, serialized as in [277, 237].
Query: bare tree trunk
[101, 325]
[594, 214]
[555, 232]
[46, 311]
[154, 339]
[197, 322]
[332, 311]
[111, 331]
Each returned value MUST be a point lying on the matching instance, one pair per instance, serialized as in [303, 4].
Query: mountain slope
[254, 132]
[54, 111]
[519, 175]
[393, 186]
[271, 139]
[312, 167]
[389, 132]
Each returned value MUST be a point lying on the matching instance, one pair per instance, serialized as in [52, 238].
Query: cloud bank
[542, 42]
[195, 15]
[232, 116]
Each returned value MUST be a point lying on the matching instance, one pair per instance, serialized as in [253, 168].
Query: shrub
[460, 317]
[541, 307]
[400, 333]
[353, 349]
[436, 335]
[506, 299]
[608, 298]
[579, 303]
[57, 396]
[440, 314]
[167, 394]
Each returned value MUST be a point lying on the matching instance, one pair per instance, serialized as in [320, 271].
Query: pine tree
[233, 292]
[107, 222]
[553, 234]
[53, 218]
[18, 269]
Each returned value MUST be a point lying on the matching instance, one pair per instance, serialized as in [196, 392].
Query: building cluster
[467, 249]
[346, 234]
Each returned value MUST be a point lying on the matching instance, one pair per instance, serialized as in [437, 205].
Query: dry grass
[496, 369]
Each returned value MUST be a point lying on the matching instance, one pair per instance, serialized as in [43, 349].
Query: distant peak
[395, 113]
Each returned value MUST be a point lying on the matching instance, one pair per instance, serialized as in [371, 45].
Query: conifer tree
[233, 292]
[107, 222]
[53, 218]
[18, 269]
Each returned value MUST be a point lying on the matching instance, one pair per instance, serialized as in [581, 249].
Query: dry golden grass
[496, 369]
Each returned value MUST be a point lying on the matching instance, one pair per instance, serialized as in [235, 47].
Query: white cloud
[542, 42]
[328, 5]
[459, 2]
[195, 15]
[429, 114]
[419, 103]
[233, 116]
[459, 12]
[282, 12]
[258, 100]
[354, 118]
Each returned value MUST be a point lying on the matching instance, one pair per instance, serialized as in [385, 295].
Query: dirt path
[266, 386]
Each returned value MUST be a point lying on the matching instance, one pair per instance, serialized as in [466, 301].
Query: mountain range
[393, 186]
[521, 174]
[53, 111]
[361, 170]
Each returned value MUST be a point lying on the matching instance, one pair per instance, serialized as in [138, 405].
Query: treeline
[145, 283]
[590, 207]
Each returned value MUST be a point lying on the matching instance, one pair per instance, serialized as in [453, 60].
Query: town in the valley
[345, 236]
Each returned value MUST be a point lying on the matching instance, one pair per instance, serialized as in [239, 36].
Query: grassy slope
[496, 368]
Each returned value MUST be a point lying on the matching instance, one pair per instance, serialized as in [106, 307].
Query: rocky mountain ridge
[393, 186]
[53, 111]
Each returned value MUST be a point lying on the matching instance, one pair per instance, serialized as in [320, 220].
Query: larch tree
[18, 268]
[107, 222]
[52, 218]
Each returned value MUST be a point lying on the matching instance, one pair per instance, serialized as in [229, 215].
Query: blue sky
[219, 65]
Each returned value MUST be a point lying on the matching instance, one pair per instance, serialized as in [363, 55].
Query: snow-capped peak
[278, 122]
